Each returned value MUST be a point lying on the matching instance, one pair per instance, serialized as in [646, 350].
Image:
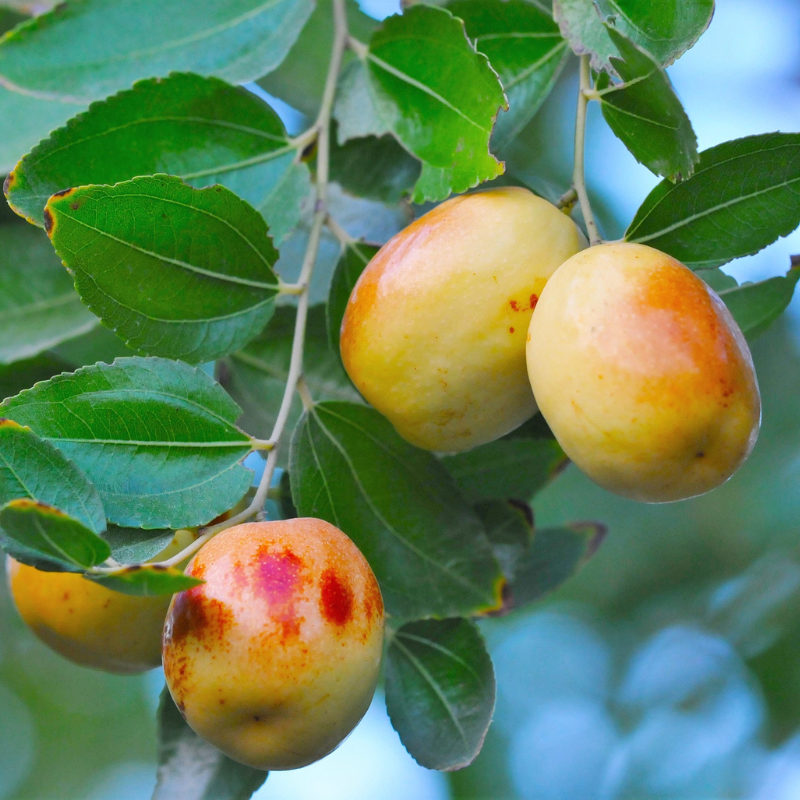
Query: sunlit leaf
[174, 271]
[524, 47]
[88, 50]
[422, 80]
[156, 437]
[743, 195]
[200, 129]
[666, 29]
[645, 113]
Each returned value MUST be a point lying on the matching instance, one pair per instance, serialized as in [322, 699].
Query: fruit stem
[578, 175]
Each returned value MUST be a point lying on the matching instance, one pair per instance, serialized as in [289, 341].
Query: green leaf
[88, 50]
[25, 120]
[524, 47]
[256, 376]
[557, 555]
[34, 469]
[10, 18]
[374, 167]
[440, 691]
[645, 113]
[156, 437]
[509, 528]
[29, 527]
[743, 196]
[755, 306]
[352, 263]
[147, 580]
[666, 29]
[190, 768]
[38, 304]
[300, 79]
[506, 468]
[398, 504]
[174, 271]
[201, 129]
[135, 545]
[423, 81]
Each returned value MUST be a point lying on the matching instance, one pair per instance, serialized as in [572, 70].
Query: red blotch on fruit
[335, 598]
[533, 301]
[278, 578]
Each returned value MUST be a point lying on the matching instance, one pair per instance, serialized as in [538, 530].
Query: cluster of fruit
[273, 659]
[635, 363]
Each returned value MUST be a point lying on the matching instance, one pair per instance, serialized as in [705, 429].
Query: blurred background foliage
[669, 668]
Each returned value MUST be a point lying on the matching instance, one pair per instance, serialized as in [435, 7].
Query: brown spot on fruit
[203, 618]
[511, 330]
[335, 598]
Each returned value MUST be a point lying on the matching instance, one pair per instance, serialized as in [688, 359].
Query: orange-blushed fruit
[642, 374]
[89, 624]
[275, 658]
[434, 332]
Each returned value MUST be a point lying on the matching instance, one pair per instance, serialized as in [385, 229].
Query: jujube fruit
[275, 658]
[434, 332]
[642, 374]
[89, 624]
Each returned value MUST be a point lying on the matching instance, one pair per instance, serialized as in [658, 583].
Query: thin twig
[322, 129]
[339, 232]
[579, 176]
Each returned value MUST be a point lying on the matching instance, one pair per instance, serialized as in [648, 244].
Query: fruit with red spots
[434, 331]
[642, 374]
[275, 658]
[89, 624]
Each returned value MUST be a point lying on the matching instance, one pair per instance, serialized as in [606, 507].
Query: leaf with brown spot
[34, 532]
[147, 580]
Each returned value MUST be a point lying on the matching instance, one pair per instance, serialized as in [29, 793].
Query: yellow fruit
[275, 658]
[642, 374]
[89, 624]
[434, 332]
